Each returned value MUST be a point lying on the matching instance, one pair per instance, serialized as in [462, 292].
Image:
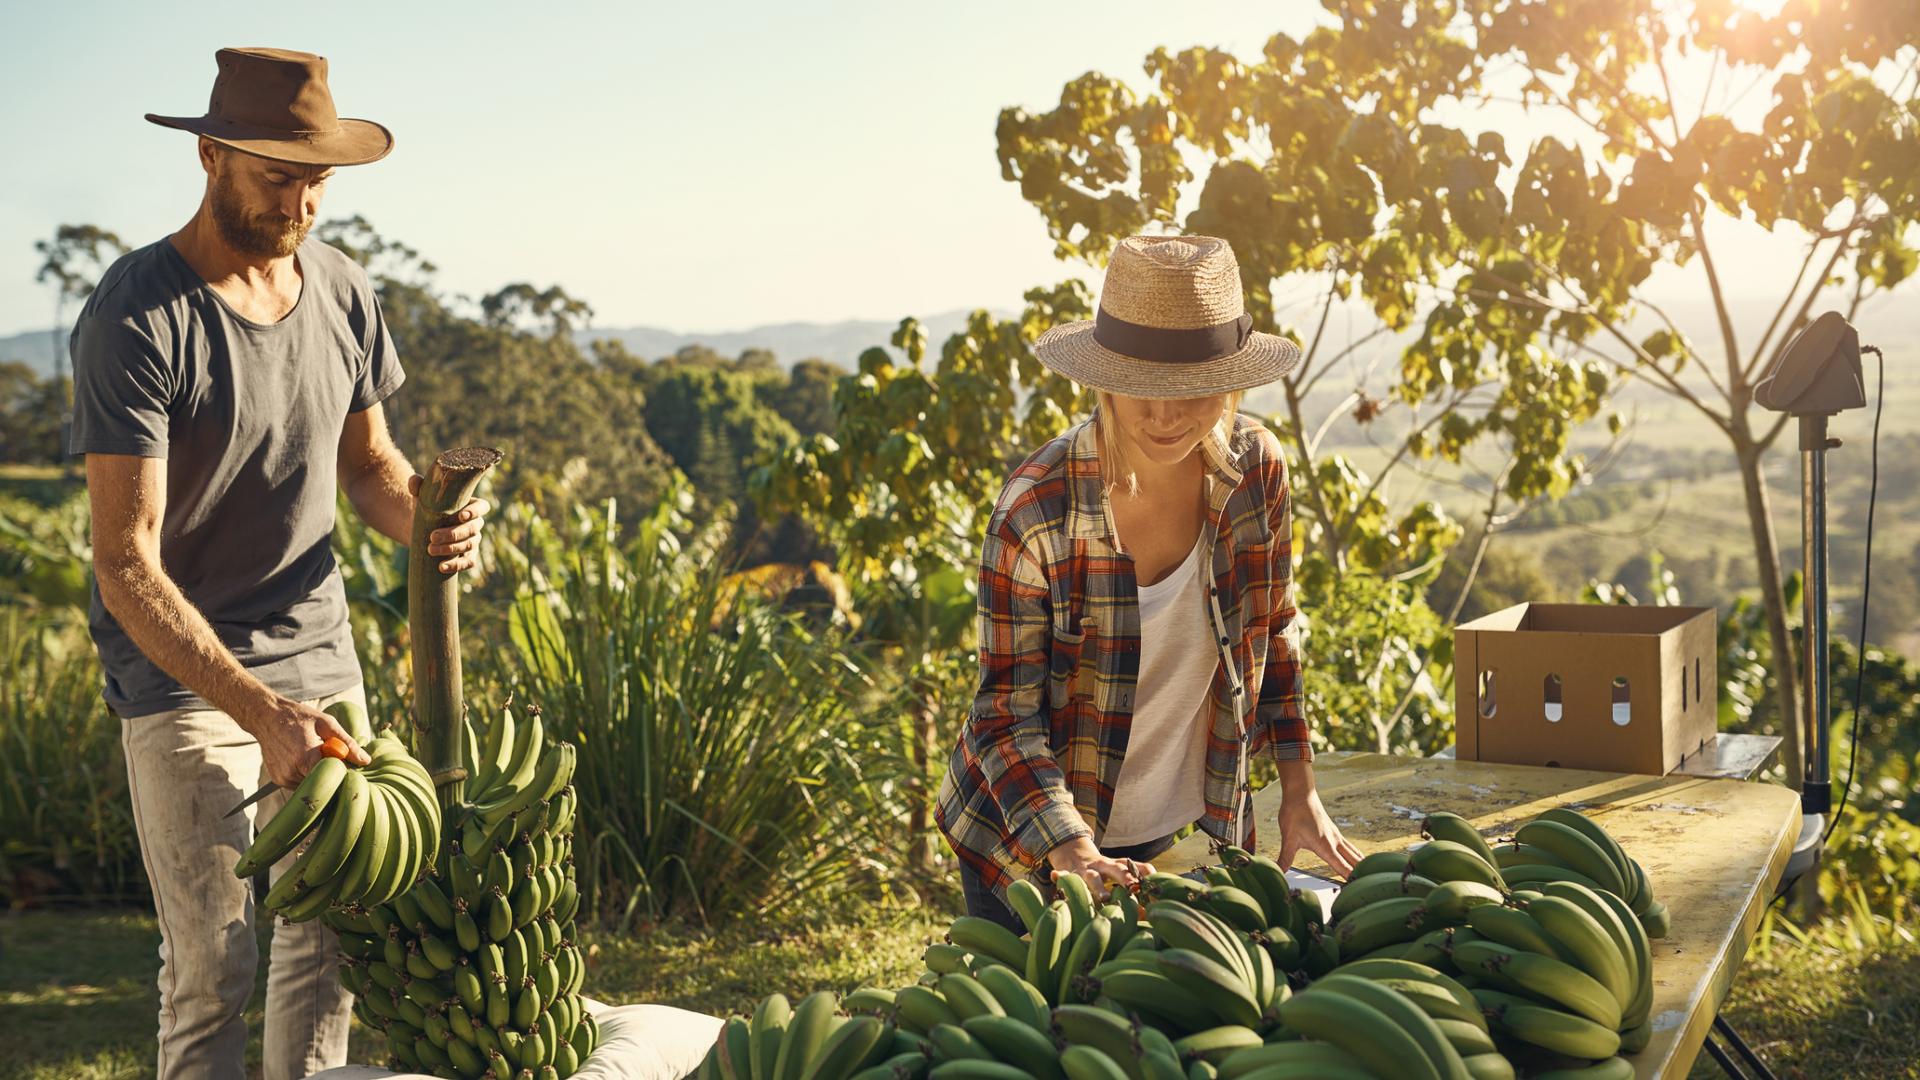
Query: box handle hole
[1487, 703]
[1622, 701]
[1550, 696]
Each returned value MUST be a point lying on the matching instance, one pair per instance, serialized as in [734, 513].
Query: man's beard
[263, 236]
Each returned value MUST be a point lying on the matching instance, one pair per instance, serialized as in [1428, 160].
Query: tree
[29, 414]
[72, 262]
[806, 401]
[1330, 157]
[508, 373]
[904, 483]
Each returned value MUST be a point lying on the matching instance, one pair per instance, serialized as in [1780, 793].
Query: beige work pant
[186, 768]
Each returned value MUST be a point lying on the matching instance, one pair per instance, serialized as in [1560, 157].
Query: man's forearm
[379, 495]
[178, 639]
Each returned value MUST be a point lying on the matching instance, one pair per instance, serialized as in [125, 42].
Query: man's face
[264, 208]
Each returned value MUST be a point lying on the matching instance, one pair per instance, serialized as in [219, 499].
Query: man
[226, 379]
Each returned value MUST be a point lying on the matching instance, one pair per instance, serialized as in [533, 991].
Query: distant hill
[841, 342]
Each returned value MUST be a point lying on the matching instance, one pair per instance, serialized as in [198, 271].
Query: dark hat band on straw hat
[1162, 345]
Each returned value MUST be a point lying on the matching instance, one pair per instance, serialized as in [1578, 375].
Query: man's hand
[1305, 824]
[290, 736]
[1080, 856]
[459, 540]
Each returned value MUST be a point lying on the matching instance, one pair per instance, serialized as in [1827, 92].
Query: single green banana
[1444, 860]
[920, 1010]
[1161, 885]
[1179, 926]
[1016, 1044]
[1547, 1027]
[1088, 1028]
[735, 1044]
[1079, 897]
[1383, 922]
[1361, 1030]
[1214, 985]
[299, 816]
[1081, 1062]
[952, 1042]
[1026, 900]
[1489, 1067]
[1513, 928]
[1216, 1043]
[967, 997]
[1440, 1055]
[1159, 1000]
[1361, 892]
[492, 756]
[1636, 1013]
[1237, 907]
[1514, 853]
[1017, 997]
[1536, 874]
[1262, 1060]
[1467, 1039]
[984, 937]
[807, 1031]
[1542, 976]
[1657, 922]
[1592, 830]
[1442, 1001]
[1381, 862]
[1087, 949]
[1575, 849]
[1441, 825]
[845, 1049]
[1594, 951]
[1045, 950]
[1449, 902]
[975, 1069]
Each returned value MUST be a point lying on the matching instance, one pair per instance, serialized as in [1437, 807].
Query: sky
[689, 167]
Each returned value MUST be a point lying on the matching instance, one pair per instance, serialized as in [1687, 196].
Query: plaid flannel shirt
[1060, 647]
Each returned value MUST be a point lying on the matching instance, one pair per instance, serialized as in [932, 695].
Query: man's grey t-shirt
[248, 417]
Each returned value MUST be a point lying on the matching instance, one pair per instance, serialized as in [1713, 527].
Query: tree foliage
[1518, 270]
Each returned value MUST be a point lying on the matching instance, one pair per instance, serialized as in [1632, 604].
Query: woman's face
[1166, 431]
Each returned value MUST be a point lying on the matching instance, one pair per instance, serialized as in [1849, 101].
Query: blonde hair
[1116, 468]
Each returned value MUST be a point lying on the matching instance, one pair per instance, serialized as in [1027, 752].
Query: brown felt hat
[1172, 323]
[274, 103]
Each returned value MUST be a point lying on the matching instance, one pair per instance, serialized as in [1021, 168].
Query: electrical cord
[1866, 586]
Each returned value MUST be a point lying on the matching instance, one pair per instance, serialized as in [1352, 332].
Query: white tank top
[1162, 784]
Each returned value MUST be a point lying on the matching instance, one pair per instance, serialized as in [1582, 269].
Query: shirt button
[1239, 691]
[1225, 641]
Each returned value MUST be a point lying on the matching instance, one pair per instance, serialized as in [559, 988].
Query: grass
[77, 987]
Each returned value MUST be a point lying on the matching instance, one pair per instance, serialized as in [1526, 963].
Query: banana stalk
[433, 619]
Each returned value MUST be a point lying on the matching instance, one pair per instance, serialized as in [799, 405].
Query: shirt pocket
[1068, 656]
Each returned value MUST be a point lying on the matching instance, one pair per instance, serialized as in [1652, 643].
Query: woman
[1136, 602]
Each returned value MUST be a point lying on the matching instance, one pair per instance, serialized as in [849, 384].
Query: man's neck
[200, 243]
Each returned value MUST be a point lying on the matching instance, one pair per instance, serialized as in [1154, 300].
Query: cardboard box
[1586, 686]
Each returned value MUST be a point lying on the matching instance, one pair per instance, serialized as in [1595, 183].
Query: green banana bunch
[370, 830]
[465, 938]
[1564, 845]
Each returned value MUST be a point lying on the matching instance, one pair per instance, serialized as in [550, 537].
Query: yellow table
[1714, 850]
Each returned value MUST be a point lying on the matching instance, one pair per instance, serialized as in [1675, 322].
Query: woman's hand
[1305, 824]
[1080, 856]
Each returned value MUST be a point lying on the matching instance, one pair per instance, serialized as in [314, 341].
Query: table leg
[1740, 1047]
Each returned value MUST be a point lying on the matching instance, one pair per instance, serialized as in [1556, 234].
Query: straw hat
[274, 103]
[1172, 324]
